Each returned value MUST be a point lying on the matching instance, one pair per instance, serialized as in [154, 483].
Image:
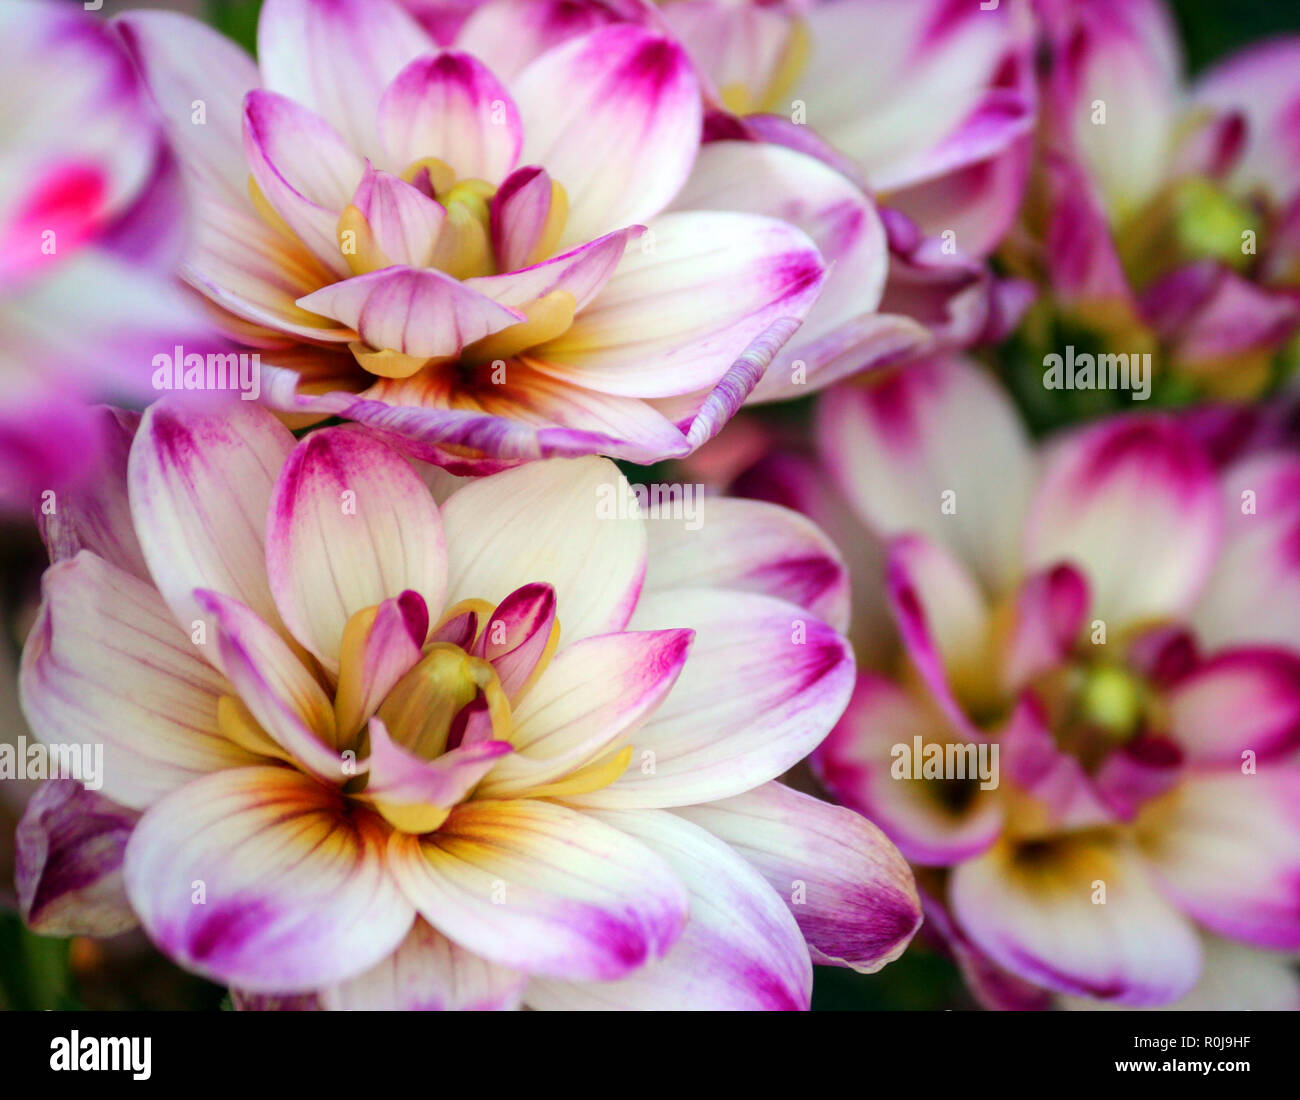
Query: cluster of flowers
[396, 715]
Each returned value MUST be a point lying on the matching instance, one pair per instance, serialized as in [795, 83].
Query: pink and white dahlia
[367, 749]
[89, 203]
[1107, 629]
[1167, 214]
[814, 114]
[484, 266]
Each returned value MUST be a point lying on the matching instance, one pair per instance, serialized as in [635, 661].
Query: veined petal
[279, 692]
[337, 58]
[592, 698]
[544, 523]
[764, 684]
[420, 312]
[428, 973]
[741, 949]
[624, 90]
[105, 661]
[306, 172]
[262, 878]
[68, 862]
[1031, 910]
[200, 486]
[403, 220]
[751, 546]
[449, 106]
[350, 526]
[1133, 502]
[838, 217]
[543, 888]
[685, 303]
[848, 887]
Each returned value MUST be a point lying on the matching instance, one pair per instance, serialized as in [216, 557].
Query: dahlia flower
[485, 268]
[944, 148]
[1167, 214]
[89, 199]
[1113, 625]
[365, 749]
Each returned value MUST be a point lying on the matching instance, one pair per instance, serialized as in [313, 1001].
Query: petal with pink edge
[1031, 909]
[1226, 848]
[421, 312]
[848, 887]
[555, 523]
[838, 217]
[428, 973]
[764, 683]
[278, 690]
[685, 303]
[106, 663]
[895, 446]
[295, 892]
[200, 485]
[449, 106]
[1254, 591]
[628, 92]
[304, 169]
[590, 700]
[1133, 502]
[1239, 700]
[861, 764]
[404, 220]
[539, 887]
[350, 526]
[751, 546]
[517, 635]
[337, 58]
[741, 949]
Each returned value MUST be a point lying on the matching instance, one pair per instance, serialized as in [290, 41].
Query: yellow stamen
[794, 59]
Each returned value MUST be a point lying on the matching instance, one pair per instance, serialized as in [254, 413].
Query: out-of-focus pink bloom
[366, 749]
[1120, 623]
[1164, 212]
[91, 223]
[495, 266]
[926, 107]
